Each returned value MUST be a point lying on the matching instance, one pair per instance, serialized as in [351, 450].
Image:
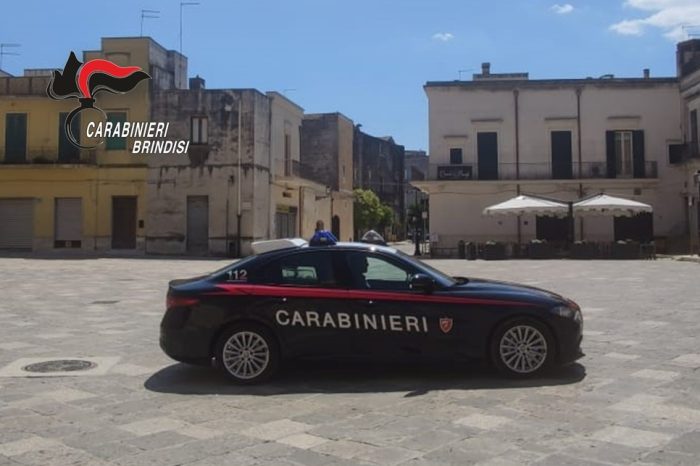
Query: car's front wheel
[248, 353]
[522, 348]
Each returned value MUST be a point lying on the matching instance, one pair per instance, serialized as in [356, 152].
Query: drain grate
[60, 365]
[104, 302]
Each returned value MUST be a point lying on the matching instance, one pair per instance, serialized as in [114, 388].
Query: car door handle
[282, 300]
[369, 303]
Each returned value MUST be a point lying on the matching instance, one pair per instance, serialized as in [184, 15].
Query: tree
[369, 213]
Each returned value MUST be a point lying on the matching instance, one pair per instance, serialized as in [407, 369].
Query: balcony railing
[538, 171]
[46, 157]
[680, 153]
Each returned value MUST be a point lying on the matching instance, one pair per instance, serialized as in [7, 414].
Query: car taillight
[180, 301]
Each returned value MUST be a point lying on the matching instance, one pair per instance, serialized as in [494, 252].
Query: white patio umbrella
[602, 204]
[524, 204]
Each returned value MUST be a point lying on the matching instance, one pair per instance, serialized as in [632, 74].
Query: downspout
[516, 94]
[238, 176]
[578, 148]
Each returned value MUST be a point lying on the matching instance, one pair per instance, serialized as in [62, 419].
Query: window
[15, 137]
[377, 273]
[305, 269]
[67, 152]
[456, 156]
[199, 131]
[116, 143]
[623, 153]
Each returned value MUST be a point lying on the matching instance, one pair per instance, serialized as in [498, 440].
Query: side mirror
[422, 282]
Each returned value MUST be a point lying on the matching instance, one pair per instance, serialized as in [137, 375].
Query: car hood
[506, 290]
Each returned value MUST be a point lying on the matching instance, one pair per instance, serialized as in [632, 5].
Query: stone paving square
[634, 399]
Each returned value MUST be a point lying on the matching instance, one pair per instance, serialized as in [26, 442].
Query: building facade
[241, 180]
[500, 135]
[54, 196]
[379, 166]
[687, 155]
[326, 158]
[416, 165]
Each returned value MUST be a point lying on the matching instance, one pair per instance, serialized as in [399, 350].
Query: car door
[408, 323]
[303, 295]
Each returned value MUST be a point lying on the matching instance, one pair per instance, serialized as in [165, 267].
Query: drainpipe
[516, 94]
[239, 179]
[578, 144]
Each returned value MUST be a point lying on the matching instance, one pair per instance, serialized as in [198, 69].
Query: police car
[355, 300]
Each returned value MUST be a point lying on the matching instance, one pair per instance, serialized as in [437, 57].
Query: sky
[367, 59]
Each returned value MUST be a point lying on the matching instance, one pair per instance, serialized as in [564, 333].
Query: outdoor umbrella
[602, 204]
[524, 204]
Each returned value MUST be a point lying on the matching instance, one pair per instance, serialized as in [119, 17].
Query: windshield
[445, 280]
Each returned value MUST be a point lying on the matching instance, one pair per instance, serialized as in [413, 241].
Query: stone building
[687, 155]
[241, 180]
[326, 158]
[499, 135]
[379, 165]
[415, 169]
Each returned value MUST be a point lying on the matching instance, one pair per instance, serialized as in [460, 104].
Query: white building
[504, 134]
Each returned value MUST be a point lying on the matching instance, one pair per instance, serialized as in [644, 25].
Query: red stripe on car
[325, 293]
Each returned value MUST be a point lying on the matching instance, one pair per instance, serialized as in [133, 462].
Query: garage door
[69, 222]
[16, 223]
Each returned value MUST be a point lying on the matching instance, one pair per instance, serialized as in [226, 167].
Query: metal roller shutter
[16, 223]
[69, 221]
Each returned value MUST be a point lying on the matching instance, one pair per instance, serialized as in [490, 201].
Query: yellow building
[56, 196]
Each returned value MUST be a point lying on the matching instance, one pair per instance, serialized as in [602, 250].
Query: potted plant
[540, 249]
[494, 250]
[625, 249]
[583, 250]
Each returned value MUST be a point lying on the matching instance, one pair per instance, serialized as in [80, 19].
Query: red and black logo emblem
[446, 324]
[83, 80]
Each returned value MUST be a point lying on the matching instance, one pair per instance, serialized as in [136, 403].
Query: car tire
[522, 348]
[247, 354]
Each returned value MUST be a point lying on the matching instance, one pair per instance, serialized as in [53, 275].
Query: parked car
[354, 300]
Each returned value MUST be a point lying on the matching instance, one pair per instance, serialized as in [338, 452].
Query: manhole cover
[60, 365]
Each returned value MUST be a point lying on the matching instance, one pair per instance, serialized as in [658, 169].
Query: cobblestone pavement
[634, 399]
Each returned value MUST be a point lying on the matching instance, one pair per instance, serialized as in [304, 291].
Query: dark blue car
[354, 300]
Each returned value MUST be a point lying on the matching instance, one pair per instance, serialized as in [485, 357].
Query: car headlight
[568, 313]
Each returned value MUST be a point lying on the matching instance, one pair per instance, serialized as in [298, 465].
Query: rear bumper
[183, 342]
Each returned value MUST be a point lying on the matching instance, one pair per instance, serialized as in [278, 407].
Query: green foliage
[369, 213]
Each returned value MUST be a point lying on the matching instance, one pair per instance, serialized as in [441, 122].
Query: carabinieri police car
[355, 300]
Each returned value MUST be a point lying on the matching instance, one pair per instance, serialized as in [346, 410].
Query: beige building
[241, 180]
[504, 134]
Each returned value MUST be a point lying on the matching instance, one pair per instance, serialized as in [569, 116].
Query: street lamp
[415, 236]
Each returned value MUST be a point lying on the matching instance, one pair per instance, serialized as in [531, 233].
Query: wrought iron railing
[538, 171]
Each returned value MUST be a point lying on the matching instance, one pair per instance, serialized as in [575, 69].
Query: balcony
[681, 153]
[537, 171]
[47, 157]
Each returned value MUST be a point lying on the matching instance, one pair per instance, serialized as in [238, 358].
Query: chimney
[197, 83]
[486, 68]
[646, 73]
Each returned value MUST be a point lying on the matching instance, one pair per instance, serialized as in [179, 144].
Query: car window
[377, 273]
[304, 269]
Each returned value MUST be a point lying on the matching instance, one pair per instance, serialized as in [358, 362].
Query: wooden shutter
[610, 153]
[638, 164]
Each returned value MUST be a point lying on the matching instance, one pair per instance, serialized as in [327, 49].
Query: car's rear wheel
[248, 353]
[522, 348]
